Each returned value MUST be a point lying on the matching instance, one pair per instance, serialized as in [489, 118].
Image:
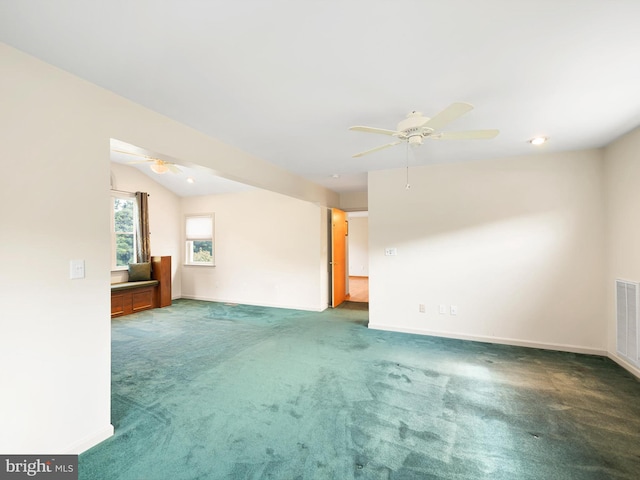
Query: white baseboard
[498, 340]
[270, 305]
[90, 441]
[624, 364]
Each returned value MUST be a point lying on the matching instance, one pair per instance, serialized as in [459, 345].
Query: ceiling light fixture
[538, 140]
[335, 175]
[159, 168]
[191, 180]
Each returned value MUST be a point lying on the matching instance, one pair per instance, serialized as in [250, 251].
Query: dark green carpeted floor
[207, 391]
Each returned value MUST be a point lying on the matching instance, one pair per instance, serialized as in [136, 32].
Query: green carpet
[204, 390]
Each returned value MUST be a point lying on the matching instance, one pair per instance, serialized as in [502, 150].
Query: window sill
[198, 265]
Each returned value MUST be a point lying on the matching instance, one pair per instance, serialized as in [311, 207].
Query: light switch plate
[389, 252]
[76, 269]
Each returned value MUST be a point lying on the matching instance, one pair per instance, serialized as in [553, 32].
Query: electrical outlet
[454, 310]
[442, 309]
[421, 308]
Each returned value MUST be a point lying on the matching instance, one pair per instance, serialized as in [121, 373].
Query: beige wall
[55, 131]
[269, 250]
[254, 249]
[354, 201]
[622, 184]
[516, 244]
[54, 191]
[359, 246]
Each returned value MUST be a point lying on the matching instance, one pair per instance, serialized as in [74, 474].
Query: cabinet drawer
[142, 299]
[117, 304]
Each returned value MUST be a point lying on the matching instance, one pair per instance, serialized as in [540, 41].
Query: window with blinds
[199, 247]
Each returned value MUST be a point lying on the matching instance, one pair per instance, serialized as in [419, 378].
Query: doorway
[358, 257]
[338, 277]
[348, 257]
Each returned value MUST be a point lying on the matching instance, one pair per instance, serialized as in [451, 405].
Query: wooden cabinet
[134, 297]
[161, 271]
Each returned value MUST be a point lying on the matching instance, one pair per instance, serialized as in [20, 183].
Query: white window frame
[199, 236]
[114, 259]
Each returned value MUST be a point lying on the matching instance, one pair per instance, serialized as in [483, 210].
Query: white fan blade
[469, 135]
[376, 149]
[383, 131]
[131, 153]
[173, 168]
[448, 115]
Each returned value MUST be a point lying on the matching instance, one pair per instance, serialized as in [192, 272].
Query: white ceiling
[284, 79]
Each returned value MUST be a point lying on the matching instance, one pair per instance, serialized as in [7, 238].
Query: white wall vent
[627, 304]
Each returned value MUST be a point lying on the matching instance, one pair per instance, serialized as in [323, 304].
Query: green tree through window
[124, 231]
[202, 251]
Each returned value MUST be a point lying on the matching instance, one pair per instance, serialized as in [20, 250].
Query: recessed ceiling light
[191, 180]
[335, 175]
[538, 140]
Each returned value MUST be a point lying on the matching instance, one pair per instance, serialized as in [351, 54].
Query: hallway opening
[358, 257]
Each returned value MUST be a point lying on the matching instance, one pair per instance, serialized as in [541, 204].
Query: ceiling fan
[415, 128]
[157, 166]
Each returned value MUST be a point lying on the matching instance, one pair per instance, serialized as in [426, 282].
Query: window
[123, 232]
[199, 240]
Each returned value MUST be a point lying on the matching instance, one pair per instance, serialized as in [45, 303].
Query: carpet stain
[272, 408]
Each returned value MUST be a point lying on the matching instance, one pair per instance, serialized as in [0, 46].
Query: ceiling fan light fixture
[415, 140]
[159, 168]
[538, 140]
[416, 127]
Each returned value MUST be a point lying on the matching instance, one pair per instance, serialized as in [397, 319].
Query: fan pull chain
[408, 185]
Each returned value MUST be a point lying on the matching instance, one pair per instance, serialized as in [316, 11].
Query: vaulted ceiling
[285, 79]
